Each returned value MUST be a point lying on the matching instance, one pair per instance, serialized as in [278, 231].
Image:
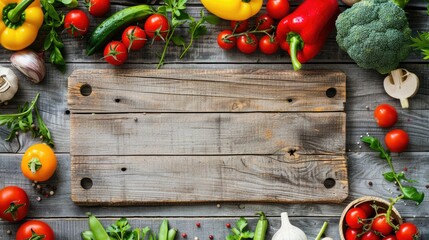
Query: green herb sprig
[240, 231]
[27, 119]
[121, 230]
[421, 42]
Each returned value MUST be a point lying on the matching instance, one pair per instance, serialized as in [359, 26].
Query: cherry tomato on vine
[35, 229]
[354, 217]
[277, 9]
[366, 206]
[264, 22]
[352, 233]
[397, 140]
[390, 237]
[134, 38]
[407, 231]
[115, 53]
[247, 43]
[385, 115]
[239, 26]
[268, 45]
[380, 225]
[98, 8]
[76, 22]
[39, 162]
[225, 41]
[156, 27]
[14, 203]
[370, 235]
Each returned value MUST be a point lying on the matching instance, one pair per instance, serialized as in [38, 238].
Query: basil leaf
[212, 19]
[411, 193]
[178, 40]
[389, 176]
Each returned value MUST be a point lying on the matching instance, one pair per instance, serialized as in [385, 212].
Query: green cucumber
[109, 27]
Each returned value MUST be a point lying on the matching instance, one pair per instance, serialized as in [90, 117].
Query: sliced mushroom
[401, 84]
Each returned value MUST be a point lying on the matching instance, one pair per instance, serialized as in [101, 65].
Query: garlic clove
[30, 64]
[288, 231]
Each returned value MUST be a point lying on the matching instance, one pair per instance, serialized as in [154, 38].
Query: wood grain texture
[187, 90]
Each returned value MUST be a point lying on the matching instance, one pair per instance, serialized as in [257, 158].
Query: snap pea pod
[163, 230]
[97, 228]
[87, 235]
[261, 227]
[171, 234]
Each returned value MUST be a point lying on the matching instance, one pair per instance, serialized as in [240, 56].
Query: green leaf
[411, 193]
[199, 31]
[401, 176]
[182, 15]
[230, 237]
[212, 19]
[389, 176]
[241, 224]
[178, 40]
[247, 234]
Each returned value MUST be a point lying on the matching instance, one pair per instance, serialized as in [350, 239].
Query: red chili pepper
[303, 32]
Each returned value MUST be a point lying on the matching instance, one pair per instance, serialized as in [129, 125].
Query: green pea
[97, 228]
[261, 227]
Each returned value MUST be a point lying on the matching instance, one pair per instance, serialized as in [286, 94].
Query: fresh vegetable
[172, 234]
[8, 84]
[97, 228]
[407, 231]
[24, 121]
[371, 39]
[14, 204]
[277, 9]
[385, 115]
[121, 230]
[239, 26]
[115, 53]
[247, 44]
[261, 227]
[397, 140]
[237, 10]
[352, 234]
[225, 40]
[303, 32]
[156, 27]
[21, 22]
[134, 38]
[401, 84]
[76, 23]
[39, 162]
[370, 235]
[287, 231]
[390, 237]
[240, 231]
[98, 8]
[264, 23]
[380, 225]
[163, 230]
[421, 43]
[35, 229]
[268, 45]
[322, 231]
[367, 208]
[109, 27]
[355, 216]
[30, 64]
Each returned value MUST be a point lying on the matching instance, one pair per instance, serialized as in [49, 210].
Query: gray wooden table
[364, 93]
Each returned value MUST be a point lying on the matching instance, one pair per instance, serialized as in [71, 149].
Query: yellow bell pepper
[237, 10]
[20, 23]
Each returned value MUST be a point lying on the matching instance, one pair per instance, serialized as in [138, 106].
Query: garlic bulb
[30, 64]
[287, 231]
[8, 84]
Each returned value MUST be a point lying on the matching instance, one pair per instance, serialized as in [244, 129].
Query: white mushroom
[8, 84]
[401, 84]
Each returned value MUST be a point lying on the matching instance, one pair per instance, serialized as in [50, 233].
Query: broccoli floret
[375, 34]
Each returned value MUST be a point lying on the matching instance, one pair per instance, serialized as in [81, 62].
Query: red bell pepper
[303, 32]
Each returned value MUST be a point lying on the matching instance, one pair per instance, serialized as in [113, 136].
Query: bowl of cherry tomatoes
[365, 218]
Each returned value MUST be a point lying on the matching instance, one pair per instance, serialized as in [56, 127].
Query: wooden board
[180, 136]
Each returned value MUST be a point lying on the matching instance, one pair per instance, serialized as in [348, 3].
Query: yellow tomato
[39, 162]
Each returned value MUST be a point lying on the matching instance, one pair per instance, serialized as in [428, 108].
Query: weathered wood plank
[147, 180]
[207, 134]
[229, 90]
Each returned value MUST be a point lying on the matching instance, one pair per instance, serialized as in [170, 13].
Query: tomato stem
[167, 41]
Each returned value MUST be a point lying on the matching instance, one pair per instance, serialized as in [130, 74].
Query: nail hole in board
[289, 100]
[86, 183]
[67, 112]
[85, 90]
[331, 92]
[123, 169]
[329, 183]
[117, 100]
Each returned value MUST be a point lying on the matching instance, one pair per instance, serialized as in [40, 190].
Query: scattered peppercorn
[39, 199]
[8, 232]
[228, 225]
[195, 238]
[370, 183]
[211, 237]
[405, 169]
[184, 235]
[198, 224]
[51, 193]
[427, 186]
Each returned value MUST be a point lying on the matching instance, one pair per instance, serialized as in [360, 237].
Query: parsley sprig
[240, 232]
[27, 119]
[121, 230]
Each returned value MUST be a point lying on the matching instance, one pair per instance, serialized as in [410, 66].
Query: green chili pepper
[261, 227]
[171, 234]
[163, 230]
[87, 235]
[97, 228]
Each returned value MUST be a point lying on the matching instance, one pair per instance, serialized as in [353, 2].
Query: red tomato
[157, 26]
[239, 26]
[247, 43]
[370, 235]
[353, 217]
[390, 237]
[366, 206]
[352, 234]
[225, 40]
[115, 53]
[98, 8]
[14, 203]
[268, 45]
[380, 225]
[385, 115]
[407, 231]
[277, 9]
[34, 228]
[397, 140]
[264, 22]
[76, 22]
[134, 38]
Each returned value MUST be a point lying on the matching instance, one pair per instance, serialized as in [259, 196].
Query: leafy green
[121, 230]
[23, 121]
[240, 232]
[408, 192]
[421, 43]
